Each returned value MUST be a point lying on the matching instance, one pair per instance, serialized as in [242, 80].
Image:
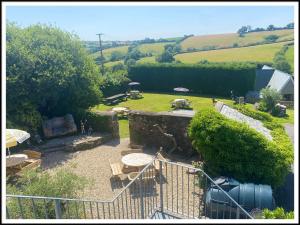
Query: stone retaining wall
[143, 132]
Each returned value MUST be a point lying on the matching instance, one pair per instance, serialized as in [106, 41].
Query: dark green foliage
[63, 184]
[233, 149]
[277, 213]
[165, 57]
[48, 73]
[210, 78]
[271, 38]
[99, 122]
[270, 97]
[114, 82]
[280, 62]
[116, 55]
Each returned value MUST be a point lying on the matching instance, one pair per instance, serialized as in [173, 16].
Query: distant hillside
[154, 49]
[230, 39]
[259, 53]
[107, 52]
[289, 55]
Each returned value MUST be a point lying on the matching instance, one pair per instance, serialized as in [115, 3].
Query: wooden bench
[32, 154]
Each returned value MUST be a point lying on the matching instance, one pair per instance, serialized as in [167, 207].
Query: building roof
[270, 77]
[282, 82]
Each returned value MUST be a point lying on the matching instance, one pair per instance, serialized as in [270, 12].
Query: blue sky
[138, 22]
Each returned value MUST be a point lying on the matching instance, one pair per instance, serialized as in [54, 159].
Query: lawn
[150, 59]
[227, 40]
[154, 102]
[259, 53]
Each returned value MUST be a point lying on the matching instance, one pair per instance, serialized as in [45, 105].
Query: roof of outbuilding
[279, 81]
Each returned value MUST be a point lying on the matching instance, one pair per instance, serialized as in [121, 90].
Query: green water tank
[249, 196]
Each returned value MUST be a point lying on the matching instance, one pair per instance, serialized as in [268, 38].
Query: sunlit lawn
[155, 102]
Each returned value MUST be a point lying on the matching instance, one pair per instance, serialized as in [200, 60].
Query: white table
[120, 109]
[137, 159]
[15, 159]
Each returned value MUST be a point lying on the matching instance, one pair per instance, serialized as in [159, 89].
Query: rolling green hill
[154, 48]
[228, 40]
[107, 52]
[289, 55]
[259, 53]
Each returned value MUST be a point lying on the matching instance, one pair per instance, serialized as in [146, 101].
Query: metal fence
[174, 189]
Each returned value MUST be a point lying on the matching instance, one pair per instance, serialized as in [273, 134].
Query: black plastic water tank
[248, 195]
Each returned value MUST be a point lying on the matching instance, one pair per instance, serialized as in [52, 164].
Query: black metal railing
[174, 188]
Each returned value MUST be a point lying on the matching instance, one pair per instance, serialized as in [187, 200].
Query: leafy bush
[62, 183]
[209, 78]
[277, 213]
[48, 73]
[271, 38]
[270, 97]
[166, 56]
[233, 149]
[114, 82]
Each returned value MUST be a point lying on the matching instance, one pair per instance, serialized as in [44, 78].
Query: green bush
[207, 78]
[63, 184]
[277, 213]
[100, 122]
[48, 73]
[270, 97]
[233, 149]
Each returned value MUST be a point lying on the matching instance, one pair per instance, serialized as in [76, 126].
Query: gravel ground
[180, 189]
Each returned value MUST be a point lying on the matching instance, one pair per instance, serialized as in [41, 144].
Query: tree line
[247, 29]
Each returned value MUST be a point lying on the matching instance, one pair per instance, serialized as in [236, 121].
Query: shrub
[277, 213]
[62, 183]
[48, 73]
[270, 97]
[271, 38]
[233, 149]
[166, 56]
[209, 78]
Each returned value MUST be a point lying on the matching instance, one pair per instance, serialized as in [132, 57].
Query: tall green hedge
[233, 149]
[211, 78]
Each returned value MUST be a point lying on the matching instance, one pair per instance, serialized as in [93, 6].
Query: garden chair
[116, 169]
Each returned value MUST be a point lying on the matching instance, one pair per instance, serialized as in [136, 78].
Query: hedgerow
[233, 149]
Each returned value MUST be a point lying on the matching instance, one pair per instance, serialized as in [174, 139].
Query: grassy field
[147, 60]
[290, 56]
[110, 64]
[227, 40]
[154, 48]
[153, 102]
[259, 53]
[107, 52]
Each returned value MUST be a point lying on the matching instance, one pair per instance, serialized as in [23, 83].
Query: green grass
[154, 102]
[150, 59]
[227, 40]
[290, 56]
[110, 64]
[154, 48]
[259, 53]
[107, 52]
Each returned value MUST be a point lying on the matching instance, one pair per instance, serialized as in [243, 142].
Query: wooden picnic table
[115, 98]
[15, 159]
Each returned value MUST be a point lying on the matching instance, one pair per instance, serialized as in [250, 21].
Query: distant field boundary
[229, 47]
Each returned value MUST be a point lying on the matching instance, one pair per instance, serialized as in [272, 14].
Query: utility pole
[100, 43]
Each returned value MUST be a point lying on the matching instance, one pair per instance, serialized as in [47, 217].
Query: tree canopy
[48, 73]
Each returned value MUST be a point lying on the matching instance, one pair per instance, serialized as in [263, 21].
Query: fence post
[57, 209]
[141, 196]
[161, 187]
[238, 213]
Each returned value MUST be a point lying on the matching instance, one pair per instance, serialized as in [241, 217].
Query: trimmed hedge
[233, 149]
[209, 79]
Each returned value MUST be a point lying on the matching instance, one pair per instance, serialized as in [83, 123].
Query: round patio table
[16, 159]
[120, 109]
[137, 159]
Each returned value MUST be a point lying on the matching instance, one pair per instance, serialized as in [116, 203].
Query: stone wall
[143, 132]
[104, 121]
